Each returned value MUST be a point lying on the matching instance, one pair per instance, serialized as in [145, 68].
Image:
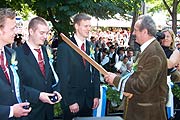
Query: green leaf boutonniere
[92, 52]
[14, 62]
[135, 66]
[49, 53]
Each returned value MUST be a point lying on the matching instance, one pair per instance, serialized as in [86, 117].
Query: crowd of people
[31, 84]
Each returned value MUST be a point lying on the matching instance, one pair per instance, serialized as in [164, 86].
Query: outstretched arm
[174, 59]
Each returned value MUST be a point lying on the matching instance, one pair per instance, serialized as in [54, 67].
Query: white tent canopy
[120, 22]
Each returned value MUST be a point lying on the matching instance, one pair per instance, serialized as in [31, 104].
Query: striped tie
[4, 68]
[83, 49]
[40, 61]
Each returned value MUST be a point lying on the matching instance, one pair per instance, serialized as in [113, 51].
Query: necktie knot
[40, 58]
[38, 50]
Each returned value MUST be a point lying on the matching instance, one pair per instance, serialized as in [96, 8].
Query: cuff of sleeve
[116, 81]
[11, 112]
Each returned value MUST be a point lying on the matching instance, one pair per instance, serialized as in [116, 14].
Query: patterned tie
[4, 68]
[40, 61]
[83, 49]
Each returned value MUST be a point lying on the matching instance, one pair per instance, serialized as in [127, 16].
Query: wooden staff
[84, 55]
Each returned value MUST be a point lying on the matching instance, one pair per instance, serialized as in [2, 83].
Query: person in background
[178, 37]
[98, 54]
[105, 62]
[36, 72]
[149, 78]
[121, 66]
[113, 58]
[130, 54]
[121, 53]
[10, 109]
[173, 62]
[168, 45]
[80, 82]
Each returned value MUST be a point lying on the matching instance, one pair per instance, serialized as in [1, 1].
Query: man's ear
[1, 31]
[145, 31]
[31, 31]
[76, 26]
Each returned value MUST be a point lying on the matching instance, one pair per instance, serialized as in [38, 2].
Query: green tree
[171, 6]
[59, 12]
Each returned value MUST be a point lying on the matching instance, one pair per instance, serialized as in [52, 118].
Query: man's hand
[109, 78]
[74, 108]
[128, 95]
[19, 111]
[44, 97]
[95, 103]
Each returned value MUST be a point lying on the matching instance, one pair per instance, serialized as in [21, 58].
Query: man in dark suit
[10, 109]
[146, 89]
[35, 71]
[80, 84]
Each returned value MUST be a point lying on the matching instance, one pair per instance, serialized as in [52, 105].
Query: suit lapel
[88, 53]
[46, 65]
[8, 58]
[30, 58]
[79, 56]
[2, 76]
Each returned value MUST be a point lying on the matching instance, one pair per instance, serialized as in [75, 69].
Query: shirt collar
[146, 44]
[79, 42]
[30, 46]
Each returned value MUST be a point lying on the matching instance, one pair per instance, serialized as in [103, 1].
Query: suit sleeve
[29, 93]
[145, 78]
[4, 112]
[63, 67]
[96, 83]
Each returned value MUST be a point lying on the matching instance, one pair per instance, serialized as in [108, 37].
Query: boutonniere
[92, 52]
[14, 62]
[135, 66]
[50, 56]
[49, 53]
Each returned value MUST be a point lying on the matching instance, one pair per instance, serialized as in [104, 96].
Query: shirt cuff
[11, 112]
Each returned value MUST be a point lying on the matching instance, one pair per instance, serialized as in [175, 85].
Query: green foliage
[60, 11]
[156, 6]
[57, 110]
[176, 91]
[113, 95]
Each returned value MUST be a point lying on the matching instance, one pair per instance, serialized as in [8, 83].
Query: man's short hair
[147, 23]
[36, 21]
[6, 13]
[81, 16]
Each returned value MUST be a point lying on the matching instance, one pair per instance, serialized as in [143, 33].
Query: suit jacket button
[46, 82]
[12, 91]
[84, 90]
